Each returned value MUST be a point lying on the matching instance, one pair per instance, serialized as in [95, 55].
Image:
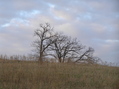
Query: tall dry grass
[31, 75]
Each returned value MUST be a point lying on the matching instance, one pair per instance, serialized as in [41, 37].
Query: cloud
[95, 23]
[59, 14]
[109, 50]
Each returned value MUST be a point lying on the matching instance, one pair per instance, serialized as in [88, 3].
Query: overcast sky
[94, 22]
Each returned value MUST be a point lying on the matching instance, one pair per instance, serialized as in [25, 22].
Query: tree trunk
[41, 58]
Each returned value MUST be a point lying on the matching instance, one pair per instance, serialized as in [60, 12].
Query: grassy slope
[31, 75]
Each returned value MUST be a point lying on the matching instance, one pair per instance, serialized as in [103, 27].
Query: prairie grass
[31, 75]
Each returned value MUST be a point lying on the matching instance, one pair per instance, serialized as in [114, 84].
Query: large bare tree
[65, 48]
[45, 37]
[60, 46]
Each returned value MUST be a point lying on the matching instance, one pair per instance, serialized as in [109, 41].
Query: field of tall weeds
[31, 75]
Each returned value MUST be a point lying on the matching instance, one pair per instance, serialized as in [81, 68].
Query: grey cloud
[11, 9]
[15, 40]
[91, 21]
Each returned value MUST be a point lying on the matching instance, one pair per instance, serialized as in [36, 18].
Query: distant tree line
[50, 45]
[16, 57]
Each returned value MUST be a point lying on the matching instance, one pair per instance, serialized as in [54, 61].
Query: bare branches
[45, 39]
[65, 48]
[87, 53]
[60, 46]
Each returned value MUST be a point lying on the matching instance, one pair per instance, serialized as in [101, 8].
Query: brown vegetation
[31, 75]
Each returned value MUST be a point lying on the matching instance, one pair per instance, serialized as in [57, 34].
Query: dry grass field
[31, 75]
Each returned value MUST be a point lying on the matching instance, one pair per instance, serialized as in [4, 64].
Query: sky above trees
[94, 22]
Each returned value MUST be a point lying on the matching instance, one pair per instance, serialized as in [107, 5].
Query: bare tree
[45, 37]
[65, 48]
[60, 46]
